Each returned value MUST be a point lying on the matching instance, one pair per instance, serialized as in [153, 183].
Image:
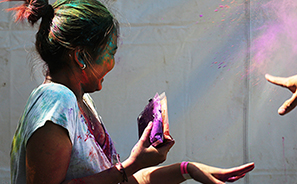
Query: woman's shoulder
[54, 90]
[50, 102]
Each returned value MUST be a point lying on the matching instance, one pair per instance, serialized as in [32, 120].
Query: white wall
[209, 57]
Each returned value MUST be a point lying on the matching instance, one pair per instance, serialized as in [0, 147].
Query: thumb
[288, 105]
[146, 133]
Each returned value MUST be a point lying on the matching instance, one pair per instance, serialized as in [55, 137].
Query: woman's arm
[199, 172]
[48, 154]
[49, 151]
[159, 175]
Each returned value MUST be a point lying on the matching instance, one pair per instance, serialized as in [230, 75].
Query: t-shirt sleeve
[55, 103]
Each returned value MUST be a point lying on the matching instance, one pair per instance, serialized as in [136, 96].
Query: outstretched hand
[212, 175]
[289, 83]
[233, 174]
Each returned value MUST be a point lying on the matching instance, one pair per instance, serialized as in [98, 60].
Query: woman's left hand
[212, 175]
[233, 174]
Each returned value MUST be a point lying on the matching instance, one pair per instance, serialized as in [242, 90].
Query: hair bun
[37, 9]
[32, 10]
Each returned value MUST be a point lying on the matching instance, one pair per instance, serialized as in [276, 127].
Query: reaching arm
[199, 172]
[160, 175]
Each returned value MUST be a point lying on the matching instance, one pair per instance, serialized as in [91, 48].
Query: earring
[84, 66]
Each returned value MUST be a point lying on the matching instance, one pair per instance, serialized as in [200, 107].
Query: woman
[60, 137]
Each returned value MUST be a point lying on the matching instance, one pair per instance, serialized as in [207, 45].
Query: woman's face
[103, 63]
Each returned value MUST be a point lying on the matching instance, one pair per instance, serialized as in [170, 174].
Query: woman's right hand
[289, 83]
[144, 154]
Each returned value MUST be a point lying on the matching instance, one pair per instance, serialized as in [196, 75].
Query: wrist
[184, 169]
[121, 169]
[130, 166]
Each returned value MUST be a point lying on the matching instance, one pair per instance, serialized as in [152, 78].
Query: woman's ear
[78, 59]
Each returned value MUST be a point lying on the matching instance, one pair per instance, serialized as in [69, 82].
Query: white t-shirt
[56, 103]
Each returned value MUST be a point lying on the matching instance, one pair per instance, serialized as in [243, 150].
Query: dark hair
[68, 25]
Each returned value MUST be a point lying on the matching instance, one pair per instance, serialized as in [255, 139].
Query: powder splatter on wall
[228, 16]
[272, 24]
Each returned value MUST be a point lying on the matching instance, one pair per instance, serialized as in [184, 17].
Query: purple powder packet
[152, 112]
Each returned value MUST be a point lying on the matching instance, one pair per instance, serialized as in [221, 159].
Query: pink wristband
[184, 170]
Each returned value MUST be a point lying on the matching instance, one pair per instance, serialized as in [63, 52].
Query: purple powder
[152, 112]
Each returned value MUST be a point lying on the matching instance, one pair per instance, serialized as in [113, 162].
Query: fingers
[239, 172]
[245, 168]
[166, 146]
[289, 83]
[288, 105]
[168, 137]
[280, 81]
[235, 178]
[248, 166]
